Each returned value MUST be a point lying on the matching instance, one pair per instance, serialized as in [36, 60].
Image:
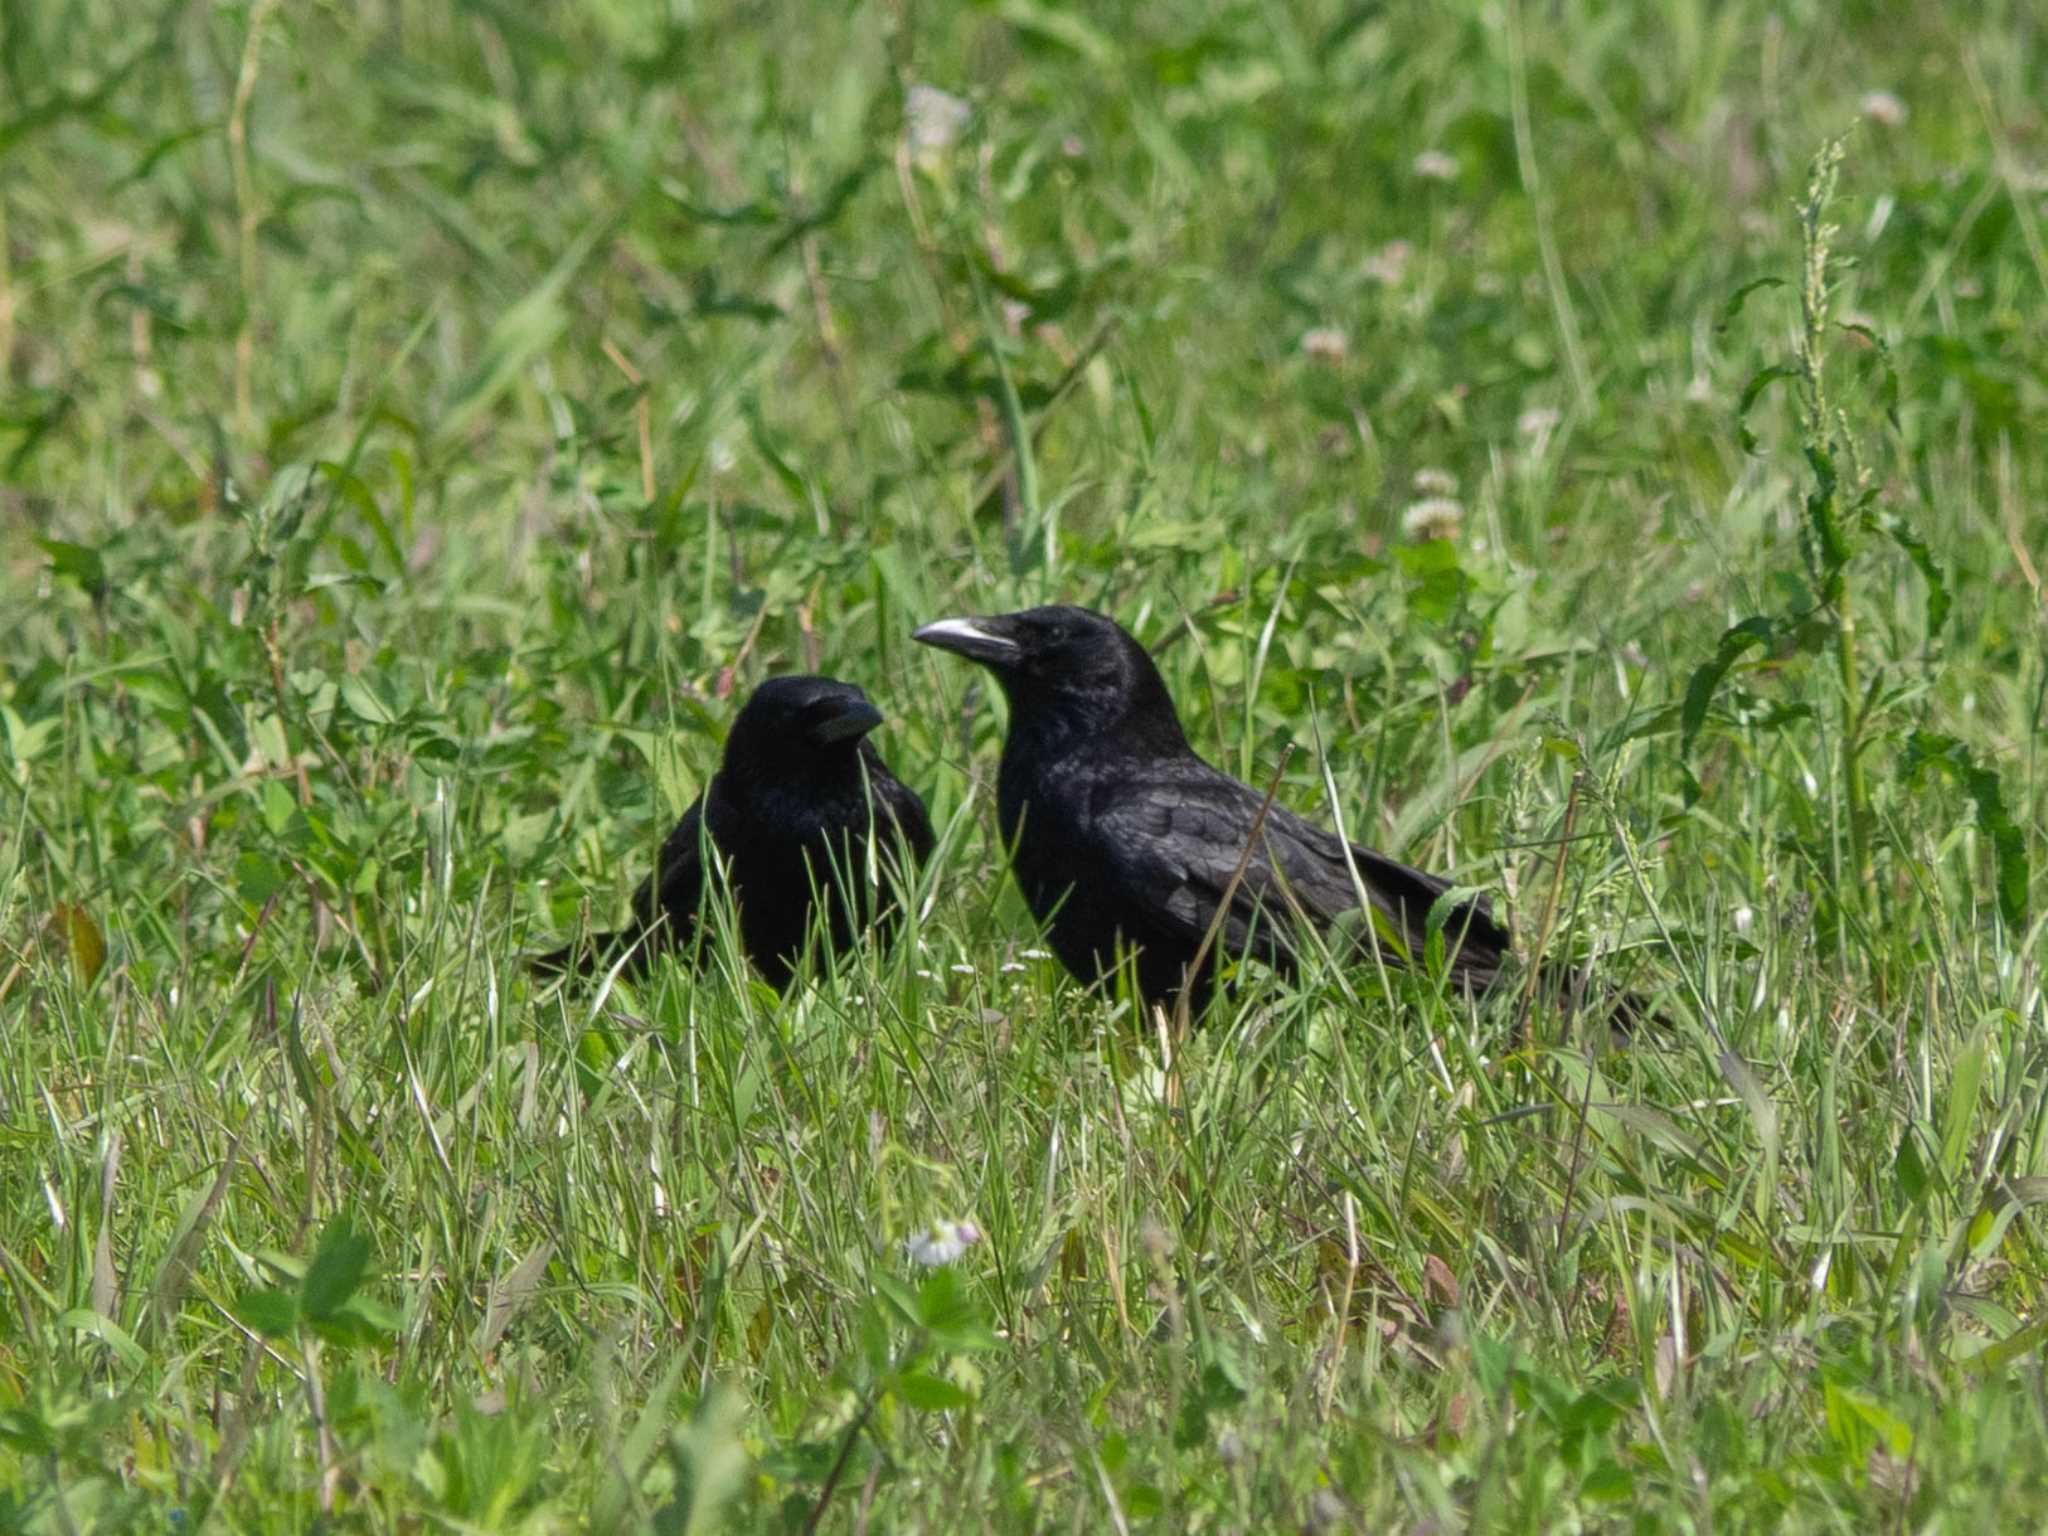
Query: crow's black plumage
[800, 802]
[1120, 833]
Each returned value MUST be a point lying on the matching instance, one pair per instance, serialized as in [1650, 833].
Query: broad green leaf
[336, 1270]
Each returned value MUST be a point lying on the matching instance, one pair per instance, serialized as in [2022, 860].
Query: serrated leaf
[77, 563]
[952, 1316]
[931, 1394]
[336, 1270]
[257, 878]
[1901, 533]
[270, 1312]
[1830, 542]
[2011, 867]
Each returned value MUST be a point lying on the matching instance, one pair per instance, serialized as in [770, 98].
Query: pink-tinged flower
[941, 1243]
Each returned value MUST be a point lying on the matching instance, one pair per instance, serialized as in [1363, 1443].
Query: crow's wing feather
[675, 885]
[1169, 842]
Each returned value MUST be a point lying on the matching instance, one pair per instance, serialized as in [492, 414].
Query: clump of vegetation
[421, 424]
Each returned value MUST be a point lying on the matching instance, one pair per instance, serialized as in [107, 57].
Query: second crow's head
[791, 720]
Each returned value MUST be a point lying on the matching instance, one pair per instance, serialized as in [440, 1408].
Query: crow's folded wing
[1168, 844]
[675, 886]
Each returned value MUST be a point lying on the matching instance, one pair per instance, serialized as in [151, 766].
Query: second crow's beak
[854, 718]
[976, 639]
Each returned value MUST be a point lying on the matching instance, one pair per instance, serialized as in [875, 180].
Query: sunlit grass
[421, 425]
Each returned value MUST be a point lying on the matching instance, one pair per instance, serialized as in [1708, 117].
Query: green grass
[419, 423]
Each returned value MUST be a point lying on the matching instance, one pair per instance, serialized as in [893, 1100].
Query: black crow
[796, 809]
[1120, 834]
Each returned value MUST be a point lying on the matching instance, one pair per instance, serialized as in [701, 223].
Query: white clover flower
[941, 1243]
[1431, 481]
[1326, 344]
[1435, 165]
[1433, 517]
[1882, 108]
[1389, 264]
[933, 119]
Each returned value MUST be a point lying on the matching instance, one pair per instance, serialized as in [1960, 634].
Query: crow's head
[793, 720]
[1065, 668]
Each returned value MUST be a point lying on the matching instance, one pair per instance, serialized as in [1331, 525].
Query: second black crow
[802, 810]
[1122, 838]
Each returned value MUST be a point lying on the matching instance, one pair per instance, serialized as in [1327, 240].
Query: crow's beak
[976, 639]
[854, 718]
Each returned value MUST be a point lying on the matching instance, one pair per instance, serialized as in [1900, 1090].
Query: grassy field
[423, 421]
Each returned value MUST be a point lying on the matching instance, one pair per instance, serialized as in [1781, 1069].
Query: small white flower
[1433, 517]
[1012, 967]
[1883, 108]
[941, 1243]
[1745, 919]
[933, 119]
[1435, 482]
[962, 970]
[1389, 264]
[1326, 344]
[1537, 423]
[1435, 165]
[1036, 954]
